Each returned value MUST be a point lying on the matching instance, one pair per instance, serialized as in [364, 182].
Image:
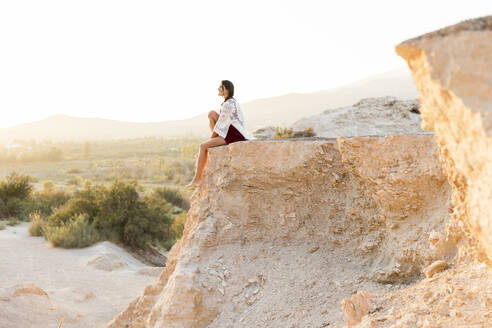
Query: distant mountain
[63, 127]
[281, 110]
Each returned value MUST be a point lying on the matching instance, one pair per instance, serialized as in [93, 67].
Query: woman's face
[222, 91]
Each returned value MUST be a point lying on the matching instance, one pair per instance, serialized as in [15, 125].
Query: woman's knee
[213, 115]
[203, 146]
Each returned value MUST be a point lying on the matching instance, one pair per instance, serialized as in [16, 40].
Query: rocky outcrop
[370, 116]
[280, 232]
[452, 69]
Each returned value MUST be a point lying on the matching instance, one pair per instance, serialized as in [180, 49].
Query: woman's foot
[193, 182]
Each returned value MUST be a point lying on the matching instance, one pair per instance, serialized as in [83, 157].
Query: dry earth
[86, 287]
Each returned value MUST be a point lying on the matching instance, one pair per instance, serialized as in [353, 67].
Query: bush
[48, 186]
[117, 213]
[37, 224]
[46, 201]
[14, 191]
[121, 211]
[281, 133]
[2, 226]
[77, 232]
[173, 196]
[178, 225]
[83, 201]
[12, 221]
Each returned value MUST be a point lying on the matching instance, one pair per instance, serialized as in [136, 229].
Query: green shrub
[46, 201]
[178, 225]
[2, 226]
[117, 213]
[86, 200]
[48, 186]
[121, 210]
[168, 244]
[76, 232]
[12, 221]
[14, 191]
[173, 196]
[15, 186]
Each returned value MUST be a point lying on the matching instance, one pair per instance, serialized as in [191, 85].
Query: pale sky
[145, 61]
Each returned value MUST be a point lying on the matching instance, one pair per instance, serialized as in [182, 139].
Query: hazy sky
[148, 61]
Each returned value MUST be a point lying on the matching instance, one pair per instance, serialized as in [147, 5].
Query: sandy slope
[60, 283]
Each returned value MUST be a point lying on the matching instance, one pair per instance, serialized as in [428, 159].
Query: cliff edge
[280, 232]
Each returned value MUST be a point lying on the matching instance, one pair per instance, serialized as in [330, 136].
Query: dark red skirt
[233, 135]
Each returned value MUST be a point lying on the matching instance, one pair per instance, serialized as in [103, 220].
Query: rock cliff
[452, 69]
[279, 232]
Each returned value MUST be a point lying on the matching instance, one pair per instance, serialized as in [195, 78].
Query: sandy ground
[86, 287]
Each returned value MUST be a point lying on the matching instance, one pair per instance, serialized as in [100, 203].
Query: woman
[227, 127]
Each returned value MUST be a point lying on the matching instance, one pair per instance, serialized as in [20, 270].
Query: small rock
[313, 249]
[436, 267]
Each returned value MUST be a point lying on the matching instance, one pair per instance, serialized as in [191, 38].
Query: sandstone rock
[434, 268]
[248, 188]
[106, 262]
[28, 305]
[452, 69]
[356, 307]
[27, 288]
[370, 116]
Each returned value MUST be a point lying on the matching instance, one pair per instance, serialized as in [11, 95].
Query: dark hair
[230, 87]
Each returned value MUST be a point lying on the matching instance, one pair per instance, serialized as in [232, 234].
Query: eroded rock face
[452, 69]
[368, 117]
[280, 232]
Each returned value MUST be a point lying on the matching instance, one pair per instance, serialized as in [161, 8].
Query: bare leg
[212, 119]
[211, 123]
[202, 157]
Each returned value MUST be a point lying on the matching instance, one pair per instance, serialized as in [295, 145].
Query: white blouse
[231, 114]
